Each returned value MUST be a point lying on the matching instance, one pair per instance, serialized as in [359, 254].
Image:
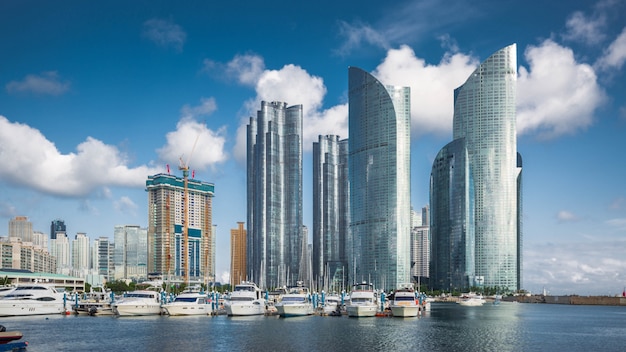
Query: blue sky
[96, 96]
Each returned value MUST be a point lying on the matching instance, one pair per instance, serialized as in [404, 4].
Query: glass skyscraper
[330, 211]
[379, 177]
[274, 190]
[484, 124]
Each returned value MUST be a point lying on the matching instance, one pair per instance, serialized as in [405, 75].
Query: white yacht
[471, 299]
[190, 302]
[404, 302]
[33, 299]
[94, 303]
[362, 301]
[296, 302]
[138, 302]
[332, 305]
[246, 299]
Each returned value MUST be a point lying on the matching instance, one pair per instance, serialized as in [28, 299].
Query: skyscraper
[166, 215]
[20, 227]
[330, 211]
[379, 175]
[102, 257]
[274, 191]
[57, 226]
[237, 255]
[80, 255]
[130, 258]
[420, 245]
[484, 125]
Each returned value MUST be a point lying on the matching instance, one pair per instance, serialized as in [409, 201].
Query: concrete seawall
[577, 300]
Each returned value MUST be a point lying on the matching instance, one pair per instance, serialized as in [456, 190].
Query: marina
[447, 327]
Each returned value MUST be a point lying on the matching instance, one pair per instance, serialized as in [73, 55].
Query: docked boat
[9, 340]
[404, 302]
[246, 299]
[138, 302]
[296, 302]
[32, 299]
[362, 301]
[191, 302]
[471, 300]
[331, 305]
[94, 303]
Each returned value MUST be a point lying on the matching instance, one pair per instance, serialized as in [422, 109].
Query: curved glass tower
[484, 114]
[379, 175]
[274, 189]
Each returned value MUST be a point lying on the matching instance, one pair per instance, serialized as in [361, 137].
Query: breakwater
[572, 299]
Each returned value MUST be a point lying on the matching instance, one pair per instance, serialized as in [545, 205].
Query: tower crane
[184, 167]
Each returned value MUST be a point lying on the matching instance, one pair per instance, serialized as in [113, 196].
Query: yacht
[332, 305]
[32, 299]
[296, 302]
[246, 299]
[362, 301]
[471, 299]
[138, 302]
[94, 303]
[404, 301]
[191, 302]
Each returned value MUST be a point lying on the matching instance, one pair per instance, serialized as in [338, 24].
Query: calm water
[448, 327]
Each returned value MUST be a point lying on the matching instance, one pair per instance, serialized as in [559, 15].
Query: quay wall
[576, 300]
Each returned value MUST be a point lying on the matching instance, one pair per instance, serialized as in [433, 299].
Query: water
[448, 327]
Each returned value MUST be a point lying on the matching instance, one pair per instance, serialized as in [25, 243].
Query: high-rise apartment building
[331, 211]
[60, 249]
[80, 255]
[16, 254]
[131, 252]
[420, 245]
[379, 175]
[274, 192]
[102, 257]
[57, 226]
[484, 132]
[166, 219]
[20, 227]
[237, 255]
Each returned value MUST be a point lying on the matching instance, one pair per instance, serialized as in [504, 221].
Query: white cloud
[207, 107]
[39, 165]
[580, 27]
[358, 34]
[164, 33]
[126, 205]
[557, 95]
[225, 277]
[585, 268]
[48, 83]
[566, 216]
[198, 146]
[245, 69]
[432, 86]
[615, 55]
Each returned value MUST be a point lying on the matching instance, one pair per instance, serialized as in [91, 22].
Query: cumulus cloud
[587, 29]
[615, 55]
[194, 144]
[586, 268]
[432, 86]
[294, 86]
[38, 164]
[47, 83]
[556, 95]
[207, 107]
[244, 69]
[164, 33]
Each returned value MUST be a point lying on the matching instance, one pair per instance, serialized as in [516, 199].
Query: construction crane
[184, 167]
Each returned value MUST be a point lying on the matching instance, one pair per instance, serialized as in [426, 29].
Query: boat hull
[16, 308]
[294, 310]
[136, 309]
[245, 309]
[405, 311]
[189, 309]
[361, 310]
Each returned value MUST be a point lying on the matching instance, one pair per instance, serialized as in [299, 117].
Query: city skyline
[96, 97]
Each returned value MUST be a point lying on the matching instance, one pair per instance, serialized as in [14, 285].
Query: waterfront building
[420, 245]
[40, 240]
[131, 252]
[484, 133]
[20, 227]
[379, 177]
[16, 254]
[166, 218]
[60, 249]
[331, 211]
[274, 194]
[238, 255]
[57, 226]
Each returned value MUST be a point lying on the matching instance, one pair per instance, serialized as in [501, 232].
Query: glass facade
[274, 189]
[452, 230]
[330, 211]
[379, 175]
[484, 117]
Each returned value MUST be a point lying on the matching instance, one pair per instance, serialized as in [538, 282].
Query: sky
[96, 96]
